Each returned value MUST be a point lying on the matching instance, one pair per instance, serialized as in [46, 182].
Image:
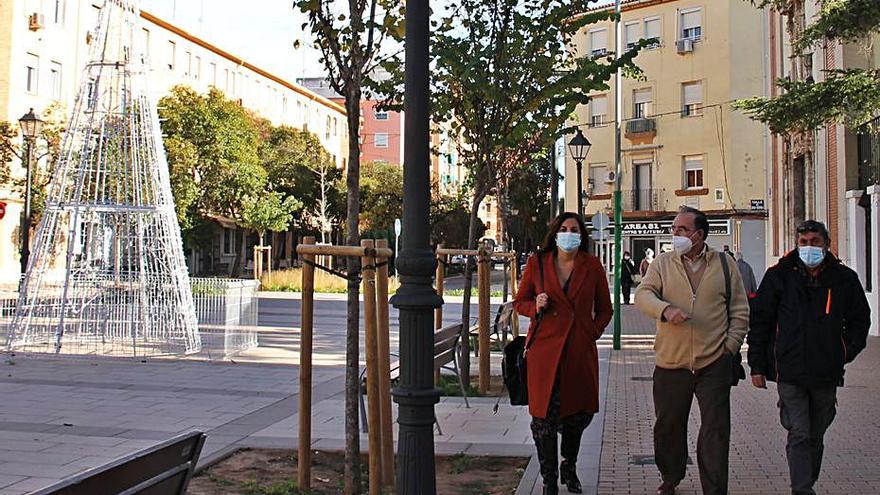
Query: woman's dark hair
[556, 224]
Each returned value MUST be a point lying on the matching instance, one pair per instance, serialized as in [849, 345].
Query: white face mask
[681, 244]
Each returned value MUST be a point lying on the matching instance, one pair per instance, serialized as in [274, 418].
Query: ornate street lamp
[579, 146]
[31, 125]
[416, 299]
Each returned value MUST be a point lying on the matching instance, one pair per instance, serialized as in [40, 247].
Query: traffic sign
[600, 221]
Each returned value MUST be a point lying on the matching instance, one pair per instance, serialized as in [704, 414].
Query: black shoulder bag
[513, 364]
[737, 372]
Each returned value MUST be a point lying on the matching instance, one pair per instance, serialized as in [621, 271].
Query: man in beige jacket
[699, 334]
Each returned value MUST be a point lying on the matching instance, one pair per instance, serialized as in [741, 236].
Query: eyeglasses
[679, 230]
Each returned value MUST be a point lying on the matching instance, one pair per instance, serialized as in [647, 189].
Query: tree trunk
[466, 302]
[352, 358]
[240, 256]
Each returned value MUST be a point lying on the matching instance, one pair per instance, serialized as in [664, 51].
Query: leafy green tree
[507, 76]
[381, 195]
[450, 215]
[850, 96]
[44, 158]
[299, 166]
[528, 199]
[225, 140]
[351, 37]
[269, 211]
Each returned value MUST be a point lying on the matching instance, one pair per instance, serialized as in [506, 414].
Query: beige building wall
[724, 63]
[56, 46]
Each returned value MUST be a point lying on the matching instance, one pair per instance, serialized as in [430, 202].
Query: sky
[260, 31]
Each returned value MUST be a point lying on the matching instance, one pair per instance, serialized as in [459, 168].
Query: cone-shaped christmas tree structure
[107, 273]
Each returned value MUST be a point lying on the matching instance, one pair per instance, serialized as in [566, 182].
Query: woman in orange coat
[563, 362]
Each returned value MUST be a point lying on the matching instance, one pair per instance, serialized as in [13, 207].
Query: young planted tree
[381, 196]
[351, 36]
[269, 211]
[507, 75]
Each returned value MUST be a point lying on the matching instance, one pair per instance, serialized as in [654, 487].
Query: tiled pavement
[58, 417]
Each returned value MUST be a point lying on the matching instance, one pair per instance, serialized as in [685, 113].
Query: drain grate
[642, 378]
[648, 460]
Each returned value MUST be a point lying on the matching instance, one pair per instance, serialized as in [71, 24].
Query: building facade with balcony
[681, 142]
[44, 48]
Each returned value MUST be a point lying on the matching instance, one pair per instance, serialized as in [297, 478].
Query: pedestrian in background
[646, 261]
[571, 294]
[747, 275]
[627, 272]
[809, 319]
[699, 335]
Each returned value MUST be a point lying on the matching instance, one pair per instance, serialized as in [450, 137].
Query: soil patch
[273, 472]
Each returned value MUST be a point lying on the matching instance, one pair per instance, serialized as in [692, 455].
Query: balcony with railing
[641, 127]
[642, 200]
[869, 154]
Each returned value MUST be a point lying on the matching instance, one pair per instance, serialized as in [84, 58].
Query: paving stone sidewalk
[757, 457]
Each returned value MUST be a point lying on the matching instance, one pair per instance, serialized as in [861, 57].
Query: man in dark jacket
[809, 319]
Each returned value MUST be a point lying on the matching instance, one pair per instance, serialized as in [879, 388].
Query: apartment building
[681, 143]
[43, 50]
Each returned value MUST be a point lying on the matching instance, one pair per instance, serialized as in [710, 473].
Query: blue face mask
[812, 256]
[568, 241]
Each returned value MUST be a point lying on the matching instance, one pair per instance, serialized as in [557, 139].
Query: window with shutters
[632, 32]
[653, 30]
[691, 22]
[172, 54]
[693, 172]
[692, 99]
[641, 103]
[381, 140]
[32, 71]
[55, 80]
[598, 42]
[598, 110]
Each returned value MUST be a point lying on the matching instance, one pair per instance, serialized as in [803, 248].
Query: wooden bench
[163, 469]
[446, 349]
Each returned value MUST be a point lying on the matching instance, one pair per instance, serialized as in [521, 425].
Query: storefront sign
[757, 204]
[648, 229]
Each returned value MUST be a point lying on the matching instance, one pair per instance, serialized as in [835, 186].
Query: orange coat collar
[554, 287]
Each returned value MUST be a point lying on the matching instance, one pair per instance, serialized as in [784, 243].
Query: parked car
[459, 259]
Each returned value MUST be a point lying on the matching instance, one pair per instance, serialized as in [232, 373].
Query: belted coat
[565, 344]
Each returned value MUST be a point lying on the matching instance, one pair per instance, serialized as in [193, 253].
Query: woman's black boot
[544, 435]
[568, 476]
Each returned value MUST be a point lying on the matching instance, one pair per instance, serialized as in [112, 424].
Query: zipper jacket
[711, 330]
[803, 330]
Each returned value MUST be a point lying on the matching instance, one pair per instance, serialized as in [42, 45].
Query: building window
[213, 74]
[189, 64]
[381, 140]
[381, 115]
[55, 80]
[488, 225]
[596, 185]
[335, 128]
[58, 12]
[693, 172]
[598, 110]
[632, 34]
[145, 34]
[198, 68]
[172, 54]
[653, 31]
[641, 103]
[32, 66]
[229, 239]
[598, 42]
[691, 22]
[327, 129]
[91, 94]
[284, 106]
[691, 99]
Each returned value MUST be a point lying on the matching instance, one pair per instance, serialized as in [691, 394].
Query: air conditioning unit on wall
[610, 176]
[684, 46]
[36, 21]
